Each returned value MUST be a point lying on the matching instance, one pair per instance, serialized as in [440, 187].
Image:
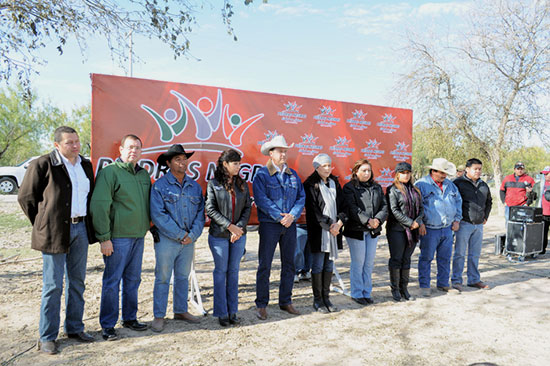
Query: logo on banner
[400, 153]
[341, 148]
[269, 135]
[372, 152]
[385, 178]
[207, 117]
[326, 118]
[308, 146]
[358, 122]
[292, 114]
[388, 124]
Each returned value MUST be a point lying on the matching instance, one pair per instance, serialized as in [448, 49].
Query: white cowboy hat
[277, 141]
[443, 165]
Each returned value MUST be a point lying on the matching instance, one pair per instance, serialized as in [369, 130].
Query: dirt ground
[506, 325]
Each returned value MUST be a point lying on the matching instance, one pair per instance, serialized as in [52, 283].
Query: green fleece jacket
[120, 202]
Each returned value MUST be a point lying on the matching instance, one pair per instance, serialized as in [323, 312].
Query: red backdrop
[208, 120]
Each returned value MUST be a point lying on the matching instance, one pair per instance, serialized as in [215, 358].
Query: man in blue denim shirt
[442, 215]
[280, 198]
[177, 210]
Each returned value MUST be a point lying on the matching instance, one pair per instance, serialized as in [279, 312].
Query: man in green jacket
[120, 212]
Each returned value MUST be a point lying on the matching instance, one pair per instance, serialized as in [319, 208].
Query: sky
[338, 50]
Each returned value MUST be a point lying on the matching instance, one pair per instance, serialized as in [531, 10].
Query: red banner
[208, 120]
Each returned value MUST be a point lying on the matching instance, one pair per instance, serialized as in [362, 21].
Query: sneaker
[457, 286]
[304, 276]
[425, 291]
[296, 279]
[480, 285]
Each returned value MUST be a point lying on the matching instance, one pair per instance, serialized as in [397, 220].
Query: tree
[27, 126]
[23, 125]
[26, 26]
[487, 85]
[430, 142]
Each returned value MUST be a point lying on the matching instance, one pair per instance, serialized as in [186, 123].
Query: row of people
[69, 210]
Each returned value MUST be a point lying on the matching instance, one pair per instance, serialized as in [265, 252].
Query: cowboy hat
[277, 141]
[172, 151]
[443, 165]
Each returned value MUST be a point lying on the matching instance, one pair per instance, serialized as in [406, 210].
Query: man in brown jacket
[55, 196]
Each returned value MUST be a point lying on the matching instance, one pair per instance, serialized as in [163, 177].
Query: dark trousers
[400, 250]
[545, 226]
[272, 234]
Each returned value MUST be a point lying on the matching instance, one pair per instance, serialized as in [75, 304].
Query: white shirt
[81, 186]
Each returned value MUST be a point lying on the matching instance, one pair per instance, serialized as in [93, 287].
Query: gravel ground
[506, 325]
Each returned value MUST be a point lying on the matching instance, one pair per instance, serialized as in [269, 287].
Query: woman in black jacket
[406, 213]
[367, 211]
[228, 206]
[325, 216]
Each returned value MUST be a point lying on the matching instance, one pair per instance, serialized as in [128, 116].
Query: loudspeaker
[500, 243]
[525, 214]
[524, 238]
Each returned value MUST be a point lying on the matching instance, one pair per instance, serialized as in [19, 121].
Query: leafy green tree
[23, 123]
[27, 126]
[434, 141]
[27, 26]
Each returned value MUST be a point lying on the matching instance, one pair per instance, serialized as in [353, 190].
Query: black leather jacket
[218, 208]
[398, 219]
[365, 201]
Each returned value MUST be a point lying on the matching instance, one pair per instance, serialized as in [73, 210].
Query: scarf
[412, 210]
[328, 241]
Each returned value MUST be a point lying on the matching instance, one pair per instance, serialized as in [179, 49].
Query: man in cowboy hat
[442, 215]
[120, 213]
[517, 189]
[177, 210]
[280, 198]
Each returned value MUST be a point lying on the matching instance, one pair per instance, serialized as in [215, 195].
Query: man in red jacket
[517, 189]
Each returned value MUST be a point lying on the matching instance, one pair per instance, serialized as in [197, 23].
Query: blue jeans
[470, 237]
[440, 241]
[171, 256]
[362, 253]
[302, 259]
[320, 262]
[73, 266]
[123, 265]
[270, 235]
[227, 258]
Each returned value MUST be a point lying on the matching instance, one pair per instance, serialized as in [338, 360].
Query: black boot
[394, 281]
[404, 283]
[317, 286]
[327, 279]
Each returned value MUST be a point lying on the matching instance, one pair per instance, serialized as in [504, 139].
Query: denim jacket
[177, 210]
[441, 208]
[276, 193]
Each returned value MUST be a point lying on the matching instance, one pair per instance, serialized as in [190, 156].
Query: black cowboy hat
[174, 150]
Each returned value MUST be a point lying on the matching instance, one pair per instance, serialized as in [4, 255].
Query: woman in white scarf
[325, 216]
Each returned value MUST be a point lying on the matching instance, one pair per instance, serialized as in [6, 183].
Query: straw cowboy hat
[443, 165]
[277, 141]
[174, 150]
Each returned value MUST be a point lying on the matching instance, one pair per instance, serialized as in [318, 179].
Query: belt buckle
[75, 220]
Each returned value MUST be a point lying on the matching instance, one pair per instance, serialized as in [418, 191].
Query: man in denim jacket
[177, 210]
[442, 215]
[280, 198]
